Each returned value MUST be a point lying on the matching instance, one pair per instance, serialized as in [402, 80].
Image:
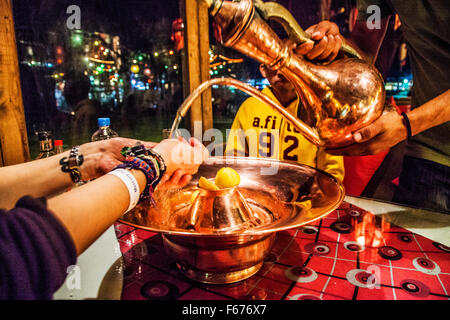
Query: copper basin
[223, 236]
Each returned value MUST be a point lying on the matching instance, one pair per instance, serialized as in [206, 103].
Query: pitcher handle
[276, 12]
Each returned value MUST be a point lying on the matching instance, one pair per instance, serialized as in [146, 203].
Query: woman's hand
[182, 158]
[180, 154]
[101, 157]
[177, 180]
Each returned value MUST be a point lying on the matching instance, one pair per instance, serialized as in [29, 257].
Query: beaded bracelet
[149, 156]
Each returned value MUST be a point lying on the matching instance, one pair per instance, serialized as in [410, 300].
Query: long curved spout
[309, 133]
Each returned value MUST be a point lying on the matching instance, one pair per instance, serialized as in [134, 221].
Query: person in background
[85, 110]
[275, 137]
[425, 178]
[43, 230]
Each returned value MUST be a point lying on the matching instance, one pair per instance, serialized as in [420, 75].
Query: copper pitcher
[336, 98]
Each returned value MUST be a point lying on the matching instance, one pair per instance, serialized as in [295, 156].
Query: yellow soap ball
[227, 178]
[207, 184]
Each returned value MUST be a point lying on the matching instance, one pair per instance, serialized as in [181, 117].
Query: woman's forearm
[38, 178]
[44, 177]
[104, 200]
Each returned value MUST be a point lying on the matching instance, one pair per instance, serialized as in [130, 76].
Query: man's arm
[389, 129]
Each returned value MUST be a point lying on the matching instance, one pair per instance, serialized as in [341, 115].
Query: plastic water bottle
[104, 132]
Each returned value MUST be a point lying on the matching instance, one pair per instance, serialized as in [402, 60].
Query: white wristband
[131, 183]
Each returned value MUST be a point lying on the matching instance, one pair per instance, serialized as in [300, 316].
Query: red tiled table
[350, 254]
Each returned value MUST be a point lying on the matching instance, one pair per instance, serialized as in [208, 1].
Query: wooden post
[196, 68]
[13, 132]
[203, 22]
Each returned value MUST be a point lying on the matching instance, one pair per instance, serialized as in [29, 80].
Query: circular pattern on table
[303, 297]
[159, 290]
[301, 274]
[390, 253]
[354, 246]
[309, 230]
[426, 266]
[415, 288]
[317, 249]
[361, 278]
[341, 227]
[405, 237]
[354, 213]
[442, 247]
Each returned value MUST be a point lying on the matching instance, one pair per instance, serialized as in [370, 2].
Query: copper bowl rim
[258, 231]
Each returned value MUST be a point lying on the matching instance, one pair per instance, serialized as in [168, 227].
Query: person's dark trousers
[424, 184]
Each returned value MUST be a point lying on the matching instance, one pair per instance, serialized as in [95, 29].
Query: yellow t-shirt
[260, 131]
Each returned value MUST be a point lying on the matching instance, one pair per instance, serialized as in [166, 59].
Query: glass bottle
[45, 145]
[58, 146]
[104, 132]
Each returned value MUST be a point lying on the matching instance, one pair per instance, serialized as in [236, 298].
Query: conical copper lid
[218, 211]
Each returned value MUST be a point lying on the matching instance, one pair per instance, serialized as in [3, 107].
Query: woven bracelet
[147, 168]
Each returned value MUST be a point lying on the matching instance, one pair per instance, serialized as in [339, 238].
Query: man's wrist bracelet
[407, 125]
[72, 164]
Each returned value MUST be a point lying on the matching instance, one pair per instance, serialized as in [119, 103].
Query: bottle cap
[102, 122]
[58, 142]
